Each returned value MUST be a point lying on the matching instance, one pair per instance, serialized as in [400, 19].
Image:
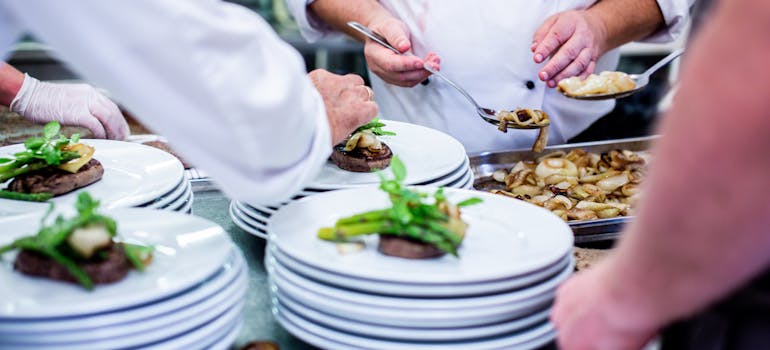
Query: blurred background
[633, 116]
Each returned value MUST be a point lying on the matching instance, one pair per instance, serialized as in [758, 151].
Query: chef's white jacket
[212, 77]
[484, 46]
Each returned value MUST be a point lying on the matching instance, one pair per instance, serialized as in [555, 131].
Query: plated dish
[363, 151]
[415, 226]
[49, 165]
[83, 249]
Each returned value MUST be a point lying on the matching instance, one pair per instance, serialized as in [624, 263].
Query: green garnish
[39, 153]
[51, 240]
[138, 254]
[412, 215]
[375, 127]
[31, 197]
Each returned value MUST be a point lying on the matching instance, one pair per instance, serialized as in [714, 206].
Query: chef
[212, 77]
[498, 50]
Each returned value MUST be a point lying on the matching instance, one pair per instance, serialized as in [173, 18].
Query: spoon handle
[451, 83]
[372, 35]
[676, 53]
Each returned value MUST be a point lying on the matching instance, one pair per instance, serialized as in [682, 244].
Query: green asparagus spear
[31, 197]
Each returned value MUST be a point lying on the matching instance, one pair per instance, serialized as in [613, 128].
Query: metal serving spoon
[489, 115]
[641, 80]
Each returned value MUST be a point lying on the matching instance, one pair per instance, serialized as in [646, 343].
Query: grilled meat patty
[408, 248]
[361, 160]
[57, 181]
[112, 268]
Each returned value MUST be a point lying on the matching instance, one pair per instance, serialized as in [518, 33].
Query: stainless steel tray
[484, 164]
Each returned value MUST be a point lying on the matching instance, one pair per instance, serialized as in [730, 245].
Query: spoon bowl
[641, 81]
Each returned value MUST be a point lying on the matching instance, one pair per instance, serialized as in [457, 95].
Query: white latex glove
[70, 104]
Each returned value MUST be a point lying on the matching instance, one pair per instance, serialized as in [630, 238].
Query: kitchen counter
[259, 323]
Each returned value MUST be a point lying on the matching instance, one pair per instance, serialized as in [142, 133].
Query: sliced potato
[86, 152]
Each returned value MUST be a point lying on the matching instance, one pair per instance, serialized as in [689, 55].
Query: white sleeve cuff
[676, 14]
[310, 26]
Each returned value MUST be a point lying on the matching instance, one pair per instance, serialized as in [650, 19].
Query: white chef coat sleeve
[212, 77]
[676, 14]
[9, 32]
[310, 26]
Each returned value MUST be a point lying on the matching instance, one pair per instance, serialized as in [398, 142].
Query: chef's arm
[212, 77]
[624, 21]
[337, 13]
[10, 83]
[702, 230]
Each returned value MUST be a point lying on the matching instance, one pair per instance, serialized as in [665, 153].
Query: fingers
[563, 66]
[111, 118]
[556, 35]
[91, 123]
[396, 34]
[353, 79]
[541, 32]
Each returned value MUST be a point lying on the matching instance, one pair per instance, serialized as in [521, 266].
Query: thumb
[397, 36]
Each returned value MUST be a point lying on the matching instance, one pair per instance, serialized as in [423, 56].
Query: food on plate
[604, 83]
[49, 165]
[83, 249]
[578, 185]
[416, 226]
[527, 117]
[363, 151]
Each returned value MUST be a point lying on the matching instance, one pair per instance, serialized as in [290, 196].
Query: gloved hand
[70, 104]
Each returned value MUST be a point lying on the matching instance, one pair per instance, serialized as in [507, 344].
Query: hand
[401, 70]
[574, 40]
[349, 103]
[587, 316]
[70, 104]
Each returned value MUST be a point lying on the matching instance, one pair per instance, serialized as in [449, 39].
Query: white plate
[424, 163]
[188, 204]
[326, 343]
[403, 333]
[463, 181]
[134, 174]
[188, 250]
[539, 334]
[204, 331]
[529, 300]
[274, 256]
[251, 216]
[505, 238]
[245, 226]
[226, 342]
[413, 303]
[144, 331]
[181, 202]
[170, 197]
[257, 212]
[221, 281]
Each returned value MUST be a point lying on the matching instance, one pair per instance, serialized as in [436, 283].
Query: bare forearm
[10, 83]
[337, 13]
[640, 19]
[702, 230]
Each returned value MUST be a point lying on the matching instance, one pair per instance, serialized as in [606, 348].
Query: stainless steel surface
[484, 164]
[641, 80]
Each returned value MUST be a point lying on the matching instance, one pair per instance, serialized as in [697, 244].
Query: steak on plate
[57, 181]
[361, 160]
[114, 267]
[408, 248]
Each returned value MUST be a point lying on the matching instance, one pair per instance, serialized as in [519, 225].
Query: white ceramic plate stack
[190, 297]
[432, 158]
[496, 295]
[135, 175]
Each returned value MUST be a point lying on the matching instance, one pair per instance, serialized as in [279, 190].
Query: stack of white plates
[135, 175]
[190, 296]
[432, 158]
[496, 295]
